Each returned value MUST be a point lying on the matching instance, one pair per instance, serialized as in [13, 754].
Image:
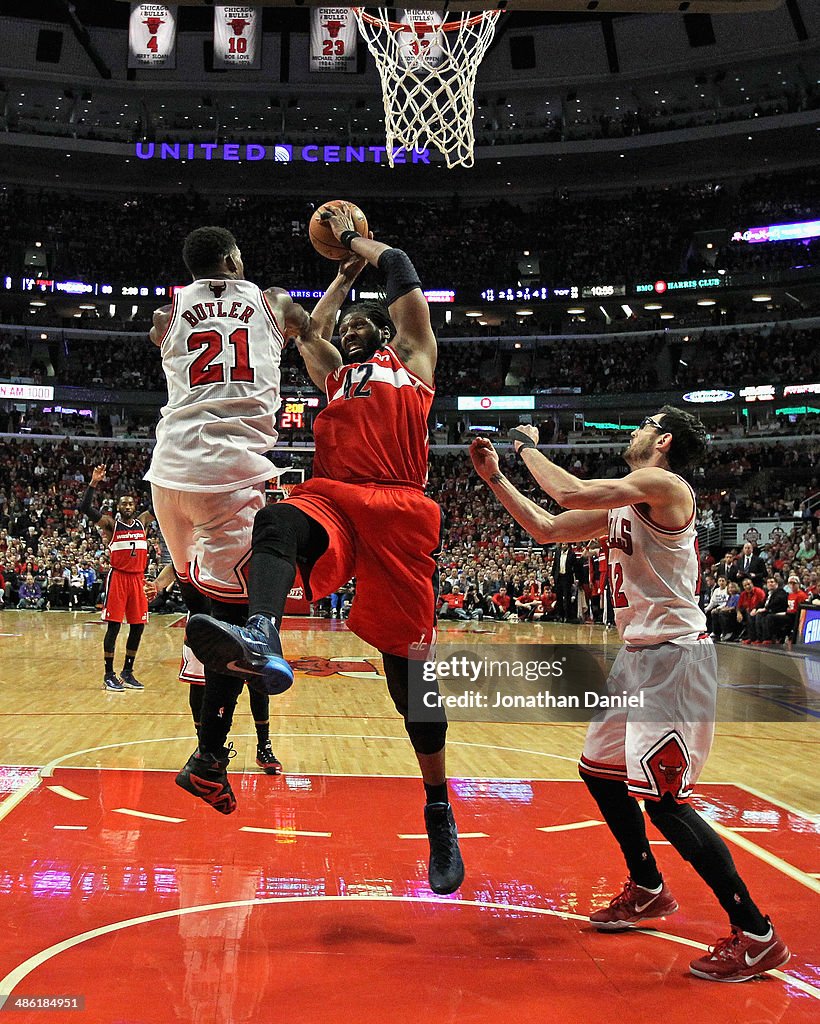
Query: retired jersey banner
[333, 39]
[152, 36]
[236, 37]
[423, 46]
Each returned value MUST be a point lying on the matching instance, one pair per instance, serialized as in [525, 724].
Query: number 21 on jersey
[208, 368]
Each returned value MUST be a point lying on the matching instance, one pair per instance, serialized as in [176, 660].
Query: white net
[428, 72]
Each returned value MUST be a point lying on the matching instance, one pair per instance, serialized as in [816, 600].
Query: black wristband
[346, 238]
[524, 440]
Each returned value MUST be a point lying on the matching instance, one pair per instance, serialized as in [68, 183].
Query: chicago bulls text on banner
[237, 37]
[152, 36]
[333, 39]
[423, 47]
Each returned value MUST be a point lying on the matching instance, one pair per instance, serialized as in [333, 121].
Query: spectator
[717, 600]
[775, 603]
[31, 595]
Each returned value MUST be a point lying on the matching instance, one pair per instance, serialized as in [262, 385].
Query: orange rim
[399, 26]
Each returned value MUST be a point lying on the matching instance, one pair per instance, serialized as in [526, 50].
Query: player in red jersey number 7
[654, 752]
[126, 539]
[364, 512]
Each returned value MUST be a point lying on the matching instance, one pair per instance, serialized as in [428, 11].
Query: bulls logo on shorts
[667, 767]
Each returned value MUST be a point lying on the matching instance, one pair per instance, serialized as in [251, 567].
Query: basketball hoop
[428, 70]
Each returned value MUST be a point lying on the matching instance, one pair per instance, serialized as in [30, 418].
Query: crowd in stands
[573, 238]
[484, 553]
[772, 353]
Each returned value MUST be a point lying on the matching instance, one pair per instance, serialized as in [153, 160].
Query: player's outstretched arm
[105, 524]
[663, 492]
[539, 524]
[293, 319]
[320, 355]
[414, 341]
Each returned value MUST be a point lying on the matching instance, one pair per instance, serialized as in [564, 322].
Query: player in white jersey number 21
[221, 345]
[656, 751]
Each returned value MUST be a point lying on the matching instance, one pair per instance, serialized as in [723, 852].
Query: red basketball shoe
[631, 905]
[741, 956]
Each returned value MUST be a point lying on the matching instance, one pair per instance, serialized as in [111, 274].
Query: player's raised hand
[339, 218]
[97, 474]
[352, 265]
[524, 428]
[485, 457]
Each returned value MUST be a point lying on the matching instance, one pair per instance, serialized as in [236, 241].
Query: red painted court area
[311, 904]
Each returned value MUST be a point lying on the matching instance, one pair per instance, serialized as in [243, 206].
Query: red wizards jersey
[374, 428]
[128, 550]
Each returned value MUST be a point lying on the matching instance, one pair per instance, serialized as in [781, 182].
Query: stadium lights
[706, 302]
[473, 312]
[652, 305]
[37, 302]
[761, 298]
[667, 316]
[87, 305]
[523, 312]
[575, 310]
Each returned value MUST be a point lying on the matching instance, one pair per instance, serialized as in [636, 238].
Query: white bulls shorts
[209, 536]
[662, 746]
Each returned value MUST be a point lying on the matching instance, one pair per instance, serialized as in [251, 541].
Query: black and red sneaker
[205, 775]
[267, 760]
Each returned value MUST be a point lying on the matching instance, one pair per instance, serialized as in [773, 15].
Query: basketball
[321, 233]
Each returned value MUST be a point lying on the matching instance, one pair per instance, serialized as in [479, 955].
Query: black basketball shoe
[267, 760]
[111, 682]
[127, 678]
[206, 776]
[252, 652]
[446, 868]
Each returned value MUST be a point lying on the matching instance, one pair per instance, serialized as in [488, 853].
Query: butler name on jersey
[221, 354]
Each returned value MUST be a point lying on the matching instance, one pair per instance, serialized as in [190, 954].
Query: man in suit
[748, 566]
[563, 574]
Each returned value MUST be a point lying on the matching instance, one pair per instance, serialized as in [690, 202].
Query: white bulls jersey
[654, 575]
[221, 355]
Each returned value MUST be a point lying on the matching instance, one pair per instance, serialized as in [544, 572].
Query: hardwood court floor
[311, 901]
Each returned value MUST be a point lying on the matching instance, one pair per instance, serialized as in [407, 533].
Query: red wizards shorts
[386, 536]
[125, 599]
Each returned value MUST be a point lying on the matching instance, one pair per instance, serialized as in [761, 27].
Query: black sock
[281, 534]
[622, 813]
[109, 664]
[436, 794]
[260, 709]
[129, 662]
[697, 842]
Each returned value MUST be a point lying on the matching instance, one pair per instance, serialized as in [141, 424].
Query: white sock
[653, 891]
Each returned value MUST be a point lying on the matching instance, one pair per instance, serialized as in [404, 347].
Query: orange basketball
[321, 233]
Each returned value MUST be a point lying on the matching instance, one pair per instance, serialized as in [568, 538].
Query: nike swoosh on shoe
[235, 666]
[752, 961]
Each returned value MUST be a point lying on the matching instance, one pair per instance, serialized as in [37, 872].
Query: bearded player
[657, 751]
[364, 514]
